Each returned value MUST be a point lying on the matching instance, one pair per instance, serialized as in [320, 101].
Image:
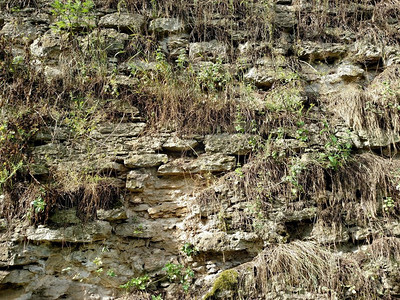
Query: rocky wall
[191, 198]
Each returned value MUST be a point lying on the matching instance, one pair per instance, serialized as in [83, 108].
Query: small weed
[139, 283]
[388, 204]
[177, 273]
[189, 250]
[72, 15]
[39, 203]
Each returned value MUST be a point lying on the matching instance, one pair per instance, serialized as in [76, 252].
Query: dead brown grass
[375, 111]
[300, 267]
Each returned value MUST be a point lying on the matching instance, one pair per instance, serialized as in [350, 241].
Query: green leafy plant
[177, 273]
[189, 249]
[388, 204]
[213, 77]
[139, 283]
[336, 152]
[39, 204]
[72, 14]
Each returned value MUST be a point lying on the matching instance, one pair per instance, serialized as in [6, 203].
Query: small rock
[237, 144]
[135, 181]
[208, 51]
[179, 145]
[167, 25]
[126, 22]
[145, 160]
[203, 164]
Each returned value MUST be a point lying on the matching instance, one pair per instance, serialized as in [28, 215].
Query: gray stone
[118, 130]
[221, 241]
[112, 214]
[88, 233]
[174, 45]
[123, 81]
[50, 134]
[147, 144]
[237, 144]
[53, 73]
[123, 21]
[135, 181]
[367, 51]
[167, 210]
[203, 164]
[167, 25]
[19, 277]
[349, 71]
[145, 160]
[208, 51]
[285, 16]
[65, 216]
[21, 32]
[320, 51]
[265, 77]
[177, 144]
[47, 47]
[109, 40]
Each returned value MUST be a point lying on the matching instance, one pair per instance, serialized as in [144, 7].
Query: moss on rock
[226, 282]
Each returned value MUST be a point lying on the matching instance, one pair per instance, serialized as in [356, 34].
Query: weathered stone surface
[238, 144]
[118, 130]
[24, 32]
[123, 21]
[203, 164]
[348, 71]
[175, 45]
[66, 216]
[147, 144]
[208, 51]
[112, 214]
[167, 25]
[145, 160]
[47, 47]
[136, 181]
[221, 241]
[88, 233]
[123, 81]
[109, 40]
[317, 51]
[53, 73]
[285, 16]
[265, 77]
[177, 144]
[167, 210]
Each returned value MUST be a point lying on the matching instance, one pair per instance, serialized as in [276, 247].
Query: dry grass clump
[228, 21]
[375, 17]
[35, 202]
[375, 111]
[302, 267]
[360, 192]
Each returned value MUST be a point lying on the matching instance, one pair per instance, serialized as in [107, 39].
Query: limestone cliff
[199, 149]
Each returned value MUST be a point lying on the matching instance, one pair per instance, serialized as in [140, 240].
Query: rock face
[126, 22]
[289, 190]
